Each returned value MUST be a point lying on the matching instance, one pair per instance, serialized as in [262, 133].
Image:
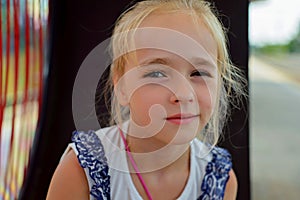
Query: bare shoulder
[69, 180]
[231, 187]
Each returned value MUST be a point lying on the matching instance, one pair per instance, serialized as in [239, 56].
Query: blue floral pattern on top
[217, 175]
[91, 155]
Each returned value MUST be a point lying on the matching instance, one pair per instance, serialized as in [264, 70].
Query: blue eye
[200, 73]
[155, 74]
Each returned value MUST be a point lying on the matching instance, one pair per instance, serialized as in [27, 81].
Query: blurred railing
[23, 31]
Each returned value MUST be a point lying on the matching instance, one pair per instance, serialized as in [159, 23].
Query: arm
[231, 187]
[69, 180]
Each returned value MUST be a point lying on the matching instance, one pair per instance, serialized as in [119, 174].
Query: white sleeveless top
[102, 155]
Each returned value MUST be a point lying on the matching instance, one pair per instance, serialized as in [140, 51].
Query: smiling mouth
[182, 119]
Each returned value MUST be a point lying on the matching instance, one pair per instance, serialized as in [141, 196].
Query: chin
[184, 137]
[181, 140]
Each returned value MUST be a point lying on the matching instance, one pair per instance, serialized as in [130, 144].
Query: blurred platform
[274, 130]
[289, 64]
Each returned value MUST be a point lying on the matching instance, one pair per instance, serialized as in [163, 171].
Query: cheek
[143, 99]
[207, 96]
[148, 95]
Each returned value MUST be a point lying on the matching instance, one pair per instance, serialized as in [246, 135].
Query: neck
[151, 155]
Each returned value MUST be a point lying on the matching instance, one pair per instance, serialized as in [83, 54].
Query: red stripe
[16, 56]
[6, 80]
[7, 61]
[7, 64]
[33, 69]
[27, 72]
[41, 57]
[7, 50]
[16, 81]
[27, 52]
[33, 46]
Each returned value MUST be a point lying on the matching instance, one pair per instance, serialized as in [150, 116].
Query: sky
[273, 21]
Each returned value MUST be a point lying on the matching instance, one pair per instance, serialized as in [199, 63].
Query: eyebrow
[194, 61]
[201, 61]
[163, 61]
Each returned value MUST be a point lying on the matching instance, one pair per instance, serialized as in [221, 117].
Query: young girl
[172, 81]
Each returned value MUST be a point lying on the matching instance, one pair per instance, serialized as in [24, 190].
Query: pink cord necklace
[134, 165]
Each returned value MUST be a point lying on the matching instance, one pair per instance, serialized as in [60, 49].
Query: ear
[120, 92]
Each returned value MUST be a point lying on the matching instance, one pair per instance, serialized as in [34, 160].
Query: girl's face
[170, 80]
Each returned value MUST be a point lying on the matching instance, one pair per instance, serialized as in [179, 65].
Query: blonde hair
[231, 82]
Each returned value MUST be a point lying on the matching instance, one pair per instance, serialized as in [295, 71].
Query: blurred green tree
[294, 44]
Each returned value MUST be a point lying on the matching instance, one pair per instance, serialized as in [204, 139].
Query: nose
[183, 93]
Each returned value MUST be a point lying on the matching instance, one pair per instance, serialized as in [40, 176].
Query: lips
[182, 118]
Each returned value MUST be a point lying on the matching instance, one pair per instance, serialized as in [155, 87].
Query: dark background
[75, 28]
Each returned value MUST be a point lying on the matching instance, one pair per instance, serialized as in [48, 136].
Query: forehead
[146, 57]
[182, 28]
[175, 33]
